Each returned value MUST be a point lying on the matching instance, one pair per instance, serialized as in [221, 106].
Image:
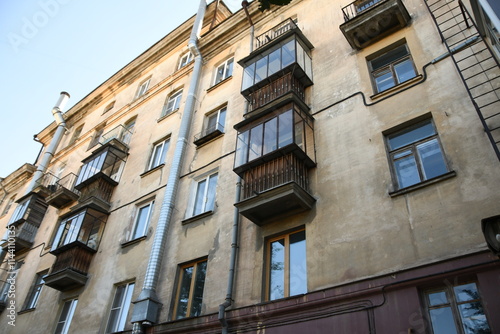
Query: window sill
[397, 88]
[219, 84]
[152, 170]
[423, 184]
[199, 216]
[26, 310]
[166, 116]
[132, 242]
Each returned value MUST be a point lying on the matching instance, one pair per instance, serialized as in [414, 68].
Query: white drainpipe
[147, 305]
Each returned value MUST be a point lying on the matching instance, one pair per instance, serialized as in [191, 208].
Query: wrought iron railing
[279, 171]
[358, 7]
[219, 128]
[274, 33]
[279, 87]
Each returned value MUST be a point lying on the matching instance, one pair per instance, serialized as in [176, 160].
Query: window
[9, 205]
[216, 121]
[172, 103]
[456, 310]
[20, 211]
[159, 153]
[119, 308]
[287, 269]
[35, 291]
[204, 198]
[76, 135]
[185, 59]
[224, 71]
[143, 87]
[415, 154]
[189, 297]
[97, 136]
[128, 130]
[66, 316]
[392, 68]
[142, 220]
[109, 107]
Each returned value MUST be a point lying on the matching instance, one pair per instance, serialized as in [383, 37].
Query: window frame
[69, 316]
[76, 134]
[142, 88]
[390, 67]
[134, 232]
[286, 272]
[452, 303]
[8, 205]
[123, 308]
[158, 160]
[217, 114]
[176, 98]
[35, 291]
[195, 264]
[224, 75]
[96, 137]
[185, 59]
[412, 147]
[108, 107]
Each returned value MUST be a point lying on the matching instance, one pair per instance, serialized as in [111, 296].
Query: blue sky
[49, 46]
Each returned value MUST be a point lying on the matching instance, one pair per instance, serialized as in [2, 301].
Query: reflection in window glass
[261, 69]
[274, 61]
[255, 142]
[285, 129]
[270, 136]
[190, 290]
[288, 54]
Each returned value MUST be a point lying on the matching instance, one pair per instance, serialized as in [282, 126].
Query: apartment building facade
[319, 167]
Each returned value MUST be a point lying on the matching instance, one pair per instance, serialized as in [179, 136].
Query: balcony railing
[120, 133]
[276, 89]
[273, 174]
[274, 33]
[63, 191]
[208, 133]
[358, 7]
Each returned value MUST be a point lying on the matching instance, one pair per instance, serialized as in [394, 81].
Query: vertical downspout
[147, 305]
[51, 149]
[56, 139]
[236, 218]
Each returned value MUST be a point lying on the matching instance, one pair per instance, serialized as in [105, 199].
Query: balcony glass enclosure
[108, 163]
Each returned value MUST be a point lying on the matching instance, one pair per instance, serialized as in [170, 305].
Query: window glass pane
[156, 156]
[199, 284]
[212, 123]
[404, 70]
[212, 183]
[389, 57]
[437, 298]
[241, 149]
[384, 80]
[229, 68]
[255, 142]
[185, 287]
[275, 61]
[299, 131]
[261, 69]
[270, 135]
[142, 221]
[406, 171]
[285, 129]
[432, 159]
[308, 65]
[125, 307]
[220, 74]
[113, 321]
[442, 321]
[298, 267]
[200, 198]
[300, 56]
[277, 272]
[248, 76]
[473, 318]
[466, 292]
[411, 135]
[222, 119]
[288, 54]
[164, 150]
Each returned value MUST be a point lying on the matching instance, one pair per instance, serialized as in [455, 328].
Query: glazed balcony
[283, 49]
[4, 292]
[276, 189]
[367, 21]
[24, 237]
[77, 240]
[63, 192]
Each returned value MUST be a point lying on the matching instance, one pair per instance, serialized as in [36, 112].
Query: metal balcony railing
[274, 33]
[216, 128]
[121, 133]
[274, 173]
[67, 182]
[358, 7]
[279, 87]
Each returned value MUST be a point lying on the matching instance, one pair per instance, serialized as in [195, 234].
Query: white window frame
[159, 159]
[122, 308]
[143, 88]
[35, 291]
[136, 234]
[8, 206]
[185, 59]
[69, 316]
[192, 206]
[172, 103]
[224, 74]
[218, 125]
